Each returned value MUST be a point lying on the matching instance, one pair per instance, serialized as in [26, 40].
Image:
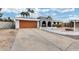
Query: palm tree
[30, 11]
[22, 14]
[27, 13]
[49, 17]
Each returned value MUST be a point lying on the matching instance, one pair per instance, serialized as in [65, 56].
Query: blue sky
[63, 14]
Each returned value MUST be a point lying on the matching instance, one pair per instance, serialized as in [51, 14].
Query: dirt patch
[7, 38]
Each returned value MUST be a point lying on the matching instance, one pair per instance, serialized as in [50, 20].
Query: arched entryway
[43, 24]
[49, 24]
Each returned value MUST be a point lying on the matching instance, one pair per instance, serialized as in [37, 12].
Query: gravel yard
[7, 37]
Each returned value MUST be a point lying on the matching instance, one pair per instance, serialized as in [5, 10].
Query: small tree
[22, 14]
[27, 13]
[49, 17]
[9, 19]
[31, 10]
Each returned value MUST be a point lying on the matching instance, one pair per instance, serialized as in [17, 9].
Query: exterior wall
[46, 20]
[77, 24]
[17, 24]
[6, 25]
[38, 24]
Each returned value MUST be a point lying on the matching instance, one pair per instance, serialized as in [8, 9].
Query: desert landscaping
[7, 37]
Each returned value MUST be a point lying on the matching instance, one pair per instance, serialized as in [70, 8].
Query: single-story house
[45, 21]
[75, 24]
[26, 23]
[57, 23]
[49, 22]
[36, 23]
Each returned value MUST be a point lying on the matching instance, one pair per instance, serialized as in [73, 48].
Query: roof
[56, 21]
[27, 19]
[43, 17]
[75, 20]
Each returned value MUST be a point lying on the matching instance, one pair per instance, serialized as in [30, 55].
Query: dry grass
[7, 37]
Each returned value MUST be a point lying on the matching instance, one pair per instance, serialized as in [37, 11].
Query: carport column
[52, 24]
[46, 23]
[37, 24]
[17, 24]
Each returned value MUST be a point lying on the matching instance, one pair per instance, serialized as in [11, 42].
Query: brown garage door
[28, 24]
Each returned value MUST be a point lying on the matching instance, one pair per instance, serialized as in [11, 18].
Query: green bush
[56, 25]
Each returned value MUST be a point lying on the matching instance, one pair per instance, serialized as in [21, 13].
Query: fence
[7, 25]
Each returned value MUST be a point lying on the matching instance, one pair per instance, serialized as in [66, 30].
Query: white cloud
[17, 10]
[62, 10]
[33, 15]
[9, 10]
[54, 14]
[68, 10]
[18, 16]
[73, 17]
[14, 10]
[44, 10]
[37, 10]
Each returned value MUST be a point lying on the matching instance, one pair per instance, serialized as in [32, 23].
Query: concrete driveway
[39, 40]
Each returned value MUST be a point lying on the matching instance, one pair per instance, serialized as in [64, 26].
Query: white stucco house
[26, 23]
[45, 22]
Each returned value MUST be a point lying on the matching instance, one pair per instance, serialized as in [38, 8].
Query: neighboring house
[75, 24]
[71, 23]
[36, 23]
[45, 21]
[27, 23]
[57, 23]
[49, 22]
